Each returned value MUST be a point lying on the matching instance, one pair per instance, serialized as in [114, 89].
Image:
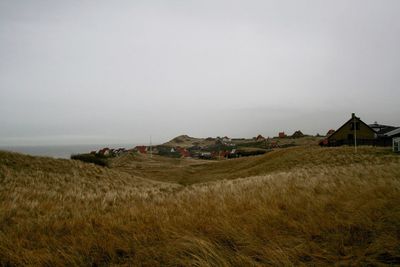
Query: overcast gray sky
[75, 72]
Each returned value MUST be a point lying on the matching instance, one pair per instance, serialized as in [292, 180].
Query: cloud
[129, 69]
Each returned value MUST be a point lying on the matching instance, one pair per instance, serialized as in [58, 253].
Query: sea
[60, 151]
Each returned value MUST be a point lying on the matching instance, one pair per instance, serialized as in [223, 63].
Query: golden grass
[303, 206]
[188, 172]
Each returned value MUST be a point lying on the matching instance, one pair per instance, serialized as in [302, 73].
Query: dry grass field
[305, 206]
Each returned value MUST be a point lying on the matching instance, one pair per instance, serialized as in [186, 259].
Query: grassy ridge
[298, 206]
[191, 172]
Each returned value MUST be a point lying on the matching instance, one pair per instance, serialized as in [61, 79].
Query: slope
[306, 206]
[187, 172]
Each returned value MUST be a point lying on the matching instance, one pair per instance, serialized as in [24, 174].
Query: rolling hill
[188, 141]
[296, 206]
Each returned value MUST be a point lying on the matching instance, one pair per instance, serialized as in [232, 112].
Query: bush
[242, 153]
[90, 158]
[166, 152]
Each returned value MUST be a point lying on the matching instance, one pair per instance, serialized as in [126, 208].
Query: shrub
[90, 158]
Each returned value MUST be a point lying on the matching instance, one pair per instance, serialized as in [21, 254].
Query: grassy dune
[299, 206]
[188, 172]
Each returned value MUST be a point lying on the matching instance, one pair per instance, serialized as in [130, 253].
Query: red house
[282, 135]
[183, 151]
[141, 149]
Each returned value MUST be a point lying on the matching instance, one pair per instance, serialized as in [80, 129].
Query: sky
[91, 72]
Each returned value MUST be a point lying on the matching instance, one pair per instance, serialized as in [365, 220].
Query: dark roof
[377, 125]
[297, 134]
[393, 132]
[384, 130]
[352, 118]
[387, 129]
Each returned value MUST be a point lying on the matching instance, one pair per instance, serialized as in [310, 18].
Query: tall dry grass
[187, 172]
[332, 208]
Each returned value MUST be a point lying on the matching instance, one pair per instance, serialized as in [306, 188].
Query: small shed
[396, 144]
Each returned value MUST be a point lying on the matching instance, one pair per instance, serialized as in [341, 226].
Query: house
[223, 154]
[104, 152]
[260, 138]
[206, 155]
[282, 135]
[381, 129]
[226, 139]
[141, 149]
[324, 142]
[387, 139]
[297, 134]
[183, 151]
[273, 144]
[351, 132]
[119, 151]
[233, 154]
[385, 134]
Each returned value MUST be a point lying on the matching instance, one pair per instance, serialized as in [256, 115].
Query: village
[210, 148]
[353, 132]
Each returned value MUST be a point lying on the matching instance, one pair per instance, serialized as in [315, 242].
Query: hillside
[186, 171]
[187, 141]
[297, 206]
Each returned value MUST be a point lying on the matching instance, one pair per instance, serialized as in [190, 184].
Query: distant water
[64, 151]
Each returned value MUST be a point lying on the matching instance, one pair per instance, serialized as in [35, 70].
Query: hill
[187, 141]
[297, 206]
[187, 171]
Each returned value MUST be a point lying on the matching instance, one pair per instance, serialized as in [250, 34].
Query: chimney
[353, 115]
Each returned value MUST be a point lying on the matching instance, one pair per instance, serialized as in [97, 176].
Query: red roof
[183, 151]
[141, 149]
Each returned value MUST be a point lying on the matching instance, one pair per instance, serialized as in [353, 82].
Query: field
[306, 206]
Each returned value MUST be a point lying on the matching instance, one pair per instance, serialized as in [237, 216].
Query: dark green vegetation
[90, 158]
